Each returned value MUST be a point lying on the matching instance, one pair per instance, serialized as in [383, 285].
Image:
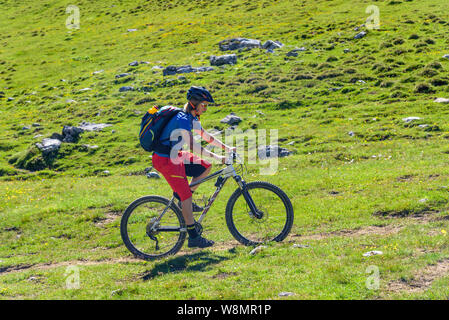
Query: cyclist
[175, 164]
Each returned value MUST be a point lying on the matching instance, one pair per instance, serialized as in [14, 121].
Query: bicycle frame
[223, 175]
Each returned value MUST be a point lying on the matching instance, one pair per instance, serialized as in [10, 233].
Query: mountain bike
[257, 212]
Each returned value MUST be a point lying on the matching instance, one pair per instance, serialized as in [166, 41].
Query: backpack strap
[162, 149]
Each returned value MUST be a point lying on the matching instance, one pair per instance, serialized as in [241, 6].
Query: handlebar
[232, 158]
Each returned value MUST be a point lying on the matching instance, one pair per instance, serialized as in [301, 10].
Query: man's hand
[221, 159]
[233, 149]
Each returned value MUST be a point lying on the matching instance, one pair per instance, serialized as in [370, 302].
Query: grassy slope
[69, 212]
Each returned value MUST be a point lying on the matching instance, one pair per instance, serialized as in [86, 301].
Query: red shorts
[176, 172]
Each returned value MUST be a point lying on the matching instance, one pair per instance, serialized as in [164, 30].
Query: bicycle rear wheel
[145, 236]
[274, 206]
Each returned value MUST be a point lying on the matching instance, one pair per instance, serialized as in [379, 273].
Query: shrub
[427, 72]
[283, 105]
[423, 88]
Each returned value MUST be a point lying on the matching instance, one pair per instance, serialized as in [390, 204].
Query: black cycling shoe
[199, 242]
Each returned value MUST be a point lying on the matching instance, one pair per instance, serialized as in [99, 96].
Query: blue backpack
[153, 122]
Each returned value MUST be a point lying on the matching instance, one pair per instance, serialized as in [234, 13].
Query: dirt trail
[369, 230]
[46, 266]
[228, 245]
[423, 278]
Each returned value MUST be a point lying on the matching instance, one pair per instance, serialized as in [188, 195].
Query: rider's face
[202, 107]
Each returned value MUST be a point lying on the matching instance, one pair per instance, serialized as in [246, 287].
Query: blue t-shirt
[181, 121]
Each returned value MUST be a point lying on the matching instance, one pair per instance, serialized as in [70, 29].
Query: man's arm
[187, 137]
[214, 141]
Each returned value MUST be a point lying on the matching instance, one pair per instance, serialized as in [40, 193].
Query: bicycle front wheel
[146, 234]
[275, 209]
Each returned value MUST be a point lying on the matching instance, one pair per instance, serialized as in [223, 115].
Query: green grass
[67, 212]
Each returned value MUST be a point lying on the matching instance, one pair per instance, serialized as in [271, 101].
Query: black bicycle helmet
[200, 94]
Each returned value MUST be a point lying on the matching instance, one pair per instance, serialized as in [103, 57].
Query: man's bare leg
[186, 206]
[201, 176]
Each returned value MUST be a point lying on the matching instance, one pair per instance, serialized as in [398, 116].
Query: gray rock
[360, 35]
[157, 68]
[10, 99]
[36, 124]
[203, 69]
[301, 246]
[133, 64]
[273, 45]
[71, 134]
[257, 250]
[126, 88]
[33, 278]
[222, 60]
[122, 75]
[153, 175]
[172, 70]
[48, 146]
[351, 133]
[238, 43]
[26, 128]
[346, 50]
[286, 294]
[98, 72]
[446, 56]
[70, 101]
[84, 89]
[372, 253]
[441, 100]
[410, 119]
[231, 119]
[117, 292]
[131, 30]
[88, 146]
[266, 152]
[107, 172]
[87, 126]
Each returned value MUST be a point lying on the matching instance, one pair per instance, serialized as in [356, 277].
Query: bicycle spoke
[145, 233]
[267, 228]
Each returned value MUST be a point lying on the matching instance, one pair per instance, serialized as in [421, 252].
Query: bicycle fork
[249, 200]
